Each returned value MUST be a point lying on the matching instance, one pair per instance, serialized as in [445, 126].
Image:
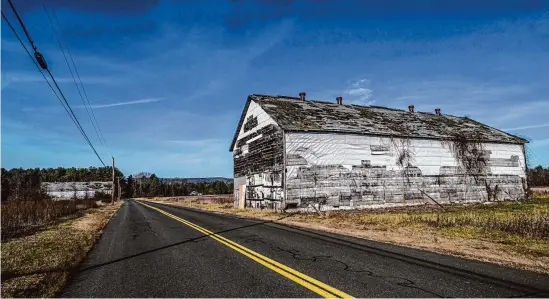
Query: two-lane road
[156, 250]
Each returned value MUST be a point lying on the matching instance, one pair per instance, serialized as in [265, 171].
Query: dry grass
[540, 191]
[38, 265]
[509, 233]
[529, 219]
[24, 216]
[226, 199]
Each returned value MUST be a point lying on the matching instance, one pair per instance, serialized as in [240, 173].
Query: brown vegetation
[22, 216]
[509, 233]
[200, 200]
[540, 191]
[38, 265]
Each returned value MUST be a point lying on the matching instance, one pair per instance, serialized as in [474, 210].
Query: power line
[72, 74]
[75, 118]
[36, 64]
[32, 58]
[102, 139]
[22, 25]
[43, 65]
[54, 92]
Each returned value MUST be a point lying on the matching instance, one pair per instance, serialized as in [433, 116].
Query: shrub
[22, 215]
[102, 196]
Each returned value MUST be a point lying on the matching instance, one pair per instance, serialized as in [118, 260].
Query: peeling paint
[349, 156]
[347, 176]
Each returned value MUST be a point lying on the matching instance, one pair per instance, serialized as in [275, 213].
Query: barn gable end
[258, 159]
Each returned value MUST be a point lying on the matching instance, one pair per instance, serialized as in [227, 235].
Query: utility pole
[113, 186]
[119, 189]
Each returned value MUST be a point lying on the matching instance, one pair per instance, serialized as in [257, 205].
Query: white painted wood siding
[348, 150]
[263, 119]
[258, 158]
[324, 153]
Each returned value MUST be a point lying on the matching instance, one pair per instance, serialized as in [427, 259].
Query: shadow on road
[527, 290]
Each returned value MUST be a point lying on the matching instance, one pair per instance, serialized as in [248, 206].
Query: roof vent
[411, 108]
[302, 96]
[437, 111]
[339, 100]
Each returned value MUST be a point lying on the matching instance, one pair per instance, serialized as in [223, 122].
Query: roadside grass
[509, 242]
[528, 219]
[26, 216]
[38, 265]
[510, 233]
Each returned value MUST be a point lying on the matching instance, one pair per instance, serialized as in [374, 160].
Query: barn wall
[346, 170]
[259, 159]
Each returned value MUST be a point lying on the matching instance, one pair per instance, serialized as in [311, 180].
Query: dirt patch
[38, 265]
[474, 232]
[90, 220]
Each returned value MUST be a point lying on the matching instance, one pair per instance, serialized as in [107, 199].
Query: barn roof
[291, 114]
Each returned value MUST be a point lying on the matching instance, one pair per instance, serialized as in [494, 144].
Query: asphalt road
[144, 252]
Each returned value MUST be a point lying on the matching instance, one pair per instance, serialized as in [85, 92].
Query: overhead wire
[82, 85]
[49, 84]
[75, 118]
[43, 65]
[32, 58]
[24, 28]
[72, 75]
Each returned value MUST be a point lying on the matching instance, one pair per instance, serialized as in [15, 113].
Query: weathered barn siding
[290, 152]
[349, 170]
[258, 157]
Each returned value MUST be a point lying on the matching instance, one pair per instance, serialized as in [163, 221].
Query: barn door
[241, 196]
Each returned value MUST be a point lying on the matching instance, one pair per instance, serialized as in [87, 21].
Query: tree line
[538, 176]
[154, 186]
[61, 174]
[19, 183]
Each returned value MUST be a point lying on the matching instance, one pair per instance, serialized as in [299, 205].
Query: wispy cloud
[527, 127]
[359, 93]
[143, 101]
[26, 77]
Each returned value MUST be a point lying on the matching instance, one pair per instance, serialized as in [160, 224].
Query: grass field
[38, 264]
[509, 233]
[20, 217]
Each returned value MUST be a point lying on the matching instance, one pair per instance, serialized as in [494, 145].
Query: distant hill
[197, 180]
[142, 175]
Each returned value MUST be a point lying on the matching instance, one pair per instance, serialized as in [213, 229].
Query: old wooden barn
[290, 152]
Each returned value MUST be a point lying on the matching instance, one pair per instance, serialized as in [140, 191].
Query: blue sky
[168, 79]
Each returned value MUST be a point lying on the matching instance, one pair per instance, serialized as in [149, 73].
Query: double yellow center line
[308, 282]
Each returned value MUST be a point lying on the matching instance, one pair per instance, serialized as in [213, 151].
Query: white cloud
[143, 101]
[31, 77]
[360, 82]
[359, 93]
[527, 127]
